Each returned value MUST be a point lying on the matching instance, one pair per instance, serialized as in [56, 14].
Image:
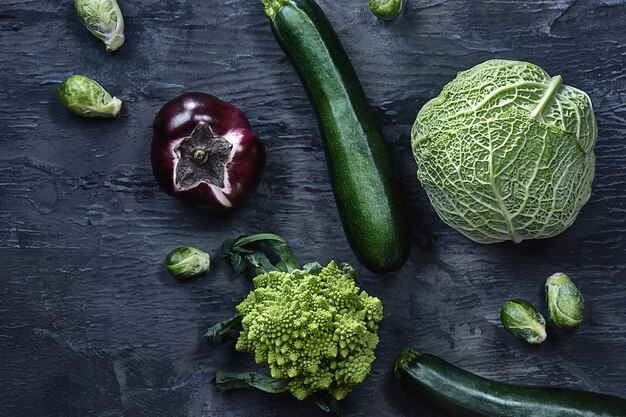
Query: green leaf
[328, 403]
[375, 374]
[227, 246]
[237, 262]
[287, 261]
[258, 237]
[252, 248]
[312, 268]
[260, 262]
[225, 381]
[349, 271]
[219, 333]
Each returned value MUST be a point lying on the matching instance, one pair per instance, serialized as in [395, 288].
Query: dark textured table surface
[92, 325]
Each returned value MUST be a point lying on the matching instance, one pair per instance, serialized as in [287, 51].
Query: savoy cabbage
[505, 152]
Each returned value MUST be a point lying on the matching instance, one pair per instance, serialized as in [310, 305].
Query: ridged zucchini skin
[432, 380]
[369, 198]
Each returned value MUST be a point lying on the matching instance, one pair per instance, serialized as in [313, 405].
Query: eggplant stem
[200, 155]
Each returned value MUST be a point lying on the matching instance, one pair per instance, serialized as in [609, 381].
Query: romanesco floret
[314, 329]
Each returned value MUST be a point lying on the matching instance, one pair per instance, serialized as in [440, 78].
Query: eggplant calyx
[201, 157]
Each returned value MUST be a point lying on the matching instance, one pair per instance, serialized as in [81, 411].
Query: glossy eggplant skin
[177, 120]
[431, 380]
[369, 198]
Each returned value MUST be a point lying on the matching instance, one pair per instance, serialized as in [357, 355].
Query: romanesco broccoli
[313, 327]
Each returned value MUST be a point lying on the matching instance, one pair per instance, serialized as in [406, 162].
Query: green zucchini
[432, 380]
[369, 198]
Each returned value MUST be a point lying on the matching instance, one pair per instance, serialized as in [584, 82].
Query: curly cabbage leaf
[505, 152]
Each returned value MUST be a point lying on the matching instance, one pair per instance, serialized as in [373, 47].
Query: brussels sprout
[103, 18]
[565, 303]
[523, 320]
[85, 97]
[385, 9]
[187, 262]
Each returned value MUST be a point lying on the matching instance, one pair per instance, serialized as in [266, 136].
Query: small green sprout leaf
[219, 333]
[187, 262]
[523, 320]
[327, 403]
[349, 271]
[376, 374]
[313, 268]
[225, 381]
[565, 302]
[385, 9]
[227, 247]
[260, 262]
[238, 263]
[103, 18]
[251, 248]
[86, 98]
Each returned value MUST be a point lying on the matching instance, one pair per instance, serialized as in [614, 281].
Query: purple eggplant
[204, 152]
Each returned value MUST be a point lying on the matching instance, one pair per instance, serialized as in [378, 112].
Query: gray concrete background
[92, 325]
